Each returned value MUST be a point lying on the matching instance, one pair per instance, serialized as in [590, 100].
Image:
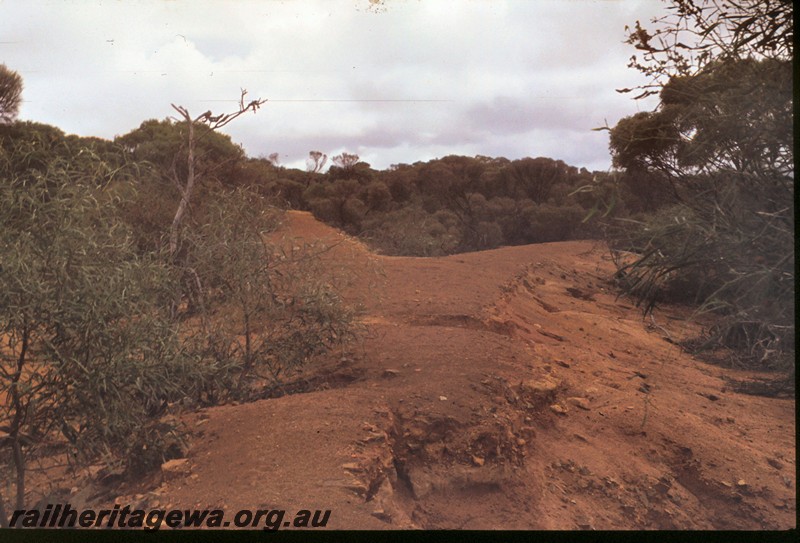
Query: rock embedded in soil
[583, 403]
[544, 385]
[175, 469]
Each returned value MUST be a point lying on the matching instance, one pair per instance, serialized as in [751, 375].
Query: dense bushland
[719, 152]
[448, 205]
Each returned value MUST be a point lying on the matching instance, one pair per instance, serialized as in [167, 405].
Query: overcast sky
[396, 81]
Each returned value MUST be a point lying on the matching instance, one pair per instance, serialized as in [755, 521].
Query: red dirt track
[505, 389]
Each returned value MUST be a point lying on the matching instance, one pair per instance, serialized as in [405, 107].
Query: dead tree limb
[211, 123]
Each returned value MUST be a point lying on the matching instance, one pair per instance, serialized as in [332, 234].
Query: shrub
[411, 231]
[265, 310]
[89, 357]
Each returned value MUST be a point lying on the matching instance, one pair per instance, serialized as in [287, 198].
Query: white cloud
[397, 81]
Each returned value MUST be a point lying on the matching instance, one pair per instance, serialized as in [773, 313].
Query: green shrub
[265, 310]
[89, 356]
[410, 231]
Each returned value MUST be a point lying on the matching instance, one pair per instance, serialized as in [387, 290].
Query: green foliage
[411, 231]
[488, 202]
[88, 354]
[547, 223]
[732, 116]
[265, 311]
[533, 178]
[719, 149]
[163, 144]
[92, 355]
[159, 148]
[28, 149]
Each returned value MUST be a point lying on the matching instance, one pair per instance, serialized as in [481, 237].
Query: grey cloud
[518, 77]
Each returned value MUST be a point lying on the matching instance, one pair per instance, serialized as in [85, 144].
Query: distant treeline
[443, 206]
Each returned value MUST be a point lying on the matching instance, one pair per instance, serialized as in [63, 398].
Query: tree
[209, 123]
[696, 33]
[533, 178]
[410, 231]
[10, 94]
[721, 139]
[345, 161]
[316, 161]
[158, 148]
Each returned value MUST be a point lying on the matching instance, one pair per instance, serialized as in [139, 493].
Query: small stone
[741, 483]
[520, 442]
[559, 410]
[382, 515]
[478, 461]
[583, 403]
[352, 466]
[775, 463]
[175, 469]
[389, 373]
[443, 398]
[544, 385]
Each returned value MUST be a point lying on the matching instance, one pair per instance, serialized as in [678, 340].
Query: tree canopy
[696, 33]
[722, 140]
[10, 94]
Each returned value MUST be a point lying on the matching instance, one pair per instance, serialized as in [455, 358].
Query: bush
[89, 357]
[265, 310]
[411, 231]
[552, 223]
[720, 143]
[723, 260]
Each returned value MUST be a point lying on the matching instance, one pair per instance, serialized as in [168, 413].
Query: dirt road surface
[505, 389]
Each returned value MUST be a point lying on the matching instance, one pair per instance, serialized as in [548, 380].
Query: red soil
[505, 389]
